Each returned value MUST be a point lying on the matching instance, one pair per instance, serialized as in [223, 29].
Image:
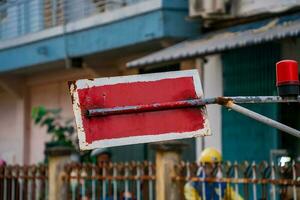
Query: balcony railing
[22, 17]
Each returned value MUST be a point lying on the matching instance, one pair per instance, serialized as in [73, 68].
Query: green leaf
[59, 129]
[38, 113]
[50, 129]
[48, 121]
[70, 130]
[42, 111]
[34, 112]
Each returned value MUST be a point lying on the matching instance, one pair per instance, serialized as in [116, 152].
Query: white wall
[22, 142]
[41, 95]
[212, 87]
[11, 139]
[50, 95]
[50, 91]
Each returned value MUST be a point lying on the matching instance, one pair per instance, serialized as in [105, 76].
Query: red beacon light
[287, 78]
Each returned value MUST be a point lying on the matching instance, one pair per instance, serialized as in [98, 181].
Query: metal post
[126, 180]
[229, 102]
[83, 177]
[254, 188]
[220, 175]
[187, 103]
[294, 179]
[236, 176]
[150, 181]
[115, 186]
[73, 183]
[13, 179]
[29, 188]
[203, 183]
[5, 183]
[262, 119]
[21, 181]
[273, 186]
[138, 182]
[94, 182]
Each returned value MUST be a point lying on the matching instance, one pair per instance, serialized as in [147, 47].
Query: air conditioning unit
[206, 8]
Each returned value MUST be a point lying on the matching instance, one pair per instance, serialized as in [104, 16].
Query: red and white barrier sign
[142, 127]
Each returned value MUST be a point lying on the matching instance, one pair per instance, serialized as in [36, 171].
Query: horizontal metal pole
[148, 107]
[263, 119]
[261, 99]
[187, 103]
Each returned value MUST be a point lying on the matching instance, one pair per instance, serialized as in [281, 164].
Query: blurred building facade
[236, 53]
[45, 43]
[234, 44]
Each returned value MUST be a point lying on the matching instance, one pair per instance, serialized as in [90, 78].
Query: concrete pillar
[57, 158]
[167, 156]
[212, 79]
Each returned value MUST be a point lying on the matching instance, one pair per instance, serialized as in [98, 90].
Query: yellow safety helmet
[210, 155]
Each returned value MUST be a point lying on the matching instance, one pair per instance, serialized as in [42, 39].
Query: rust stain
[223, 101]
[72, 88]
[70, 83]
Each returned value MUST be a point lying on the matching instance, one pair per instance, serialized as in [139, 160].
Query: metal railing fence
[136, 180]
[249, 180]
[131, 180]
[23, 182]
[21, 17]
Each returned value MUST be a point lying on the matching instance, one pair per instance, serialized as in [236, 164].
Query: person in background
[102, 156]
[209, 159]
[286, 170]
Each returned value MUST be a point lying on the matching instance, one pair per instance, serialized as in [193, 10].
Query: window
[3, 10]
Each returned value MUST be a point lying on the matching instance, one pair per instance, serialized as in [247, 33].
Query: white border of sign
[85, 83]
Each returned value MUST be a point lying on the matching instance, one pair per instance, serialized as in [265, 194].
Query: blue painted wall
[167, 22]
[122, 33]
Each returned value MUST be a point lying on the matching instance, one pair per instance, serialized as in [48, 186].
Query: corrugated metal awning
[234, 37]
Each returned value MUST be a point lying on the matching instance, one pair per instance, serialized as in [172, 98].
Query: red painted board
[115, 130]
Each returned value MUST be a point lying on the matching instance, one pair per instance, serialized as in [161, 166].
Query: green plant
[61, 131]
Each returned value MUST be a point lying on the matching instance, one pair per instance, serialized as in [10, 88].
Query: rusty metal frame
[228, 102]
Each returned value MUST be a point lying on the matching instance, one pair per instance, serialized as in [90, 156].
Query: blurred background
[234, 44]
